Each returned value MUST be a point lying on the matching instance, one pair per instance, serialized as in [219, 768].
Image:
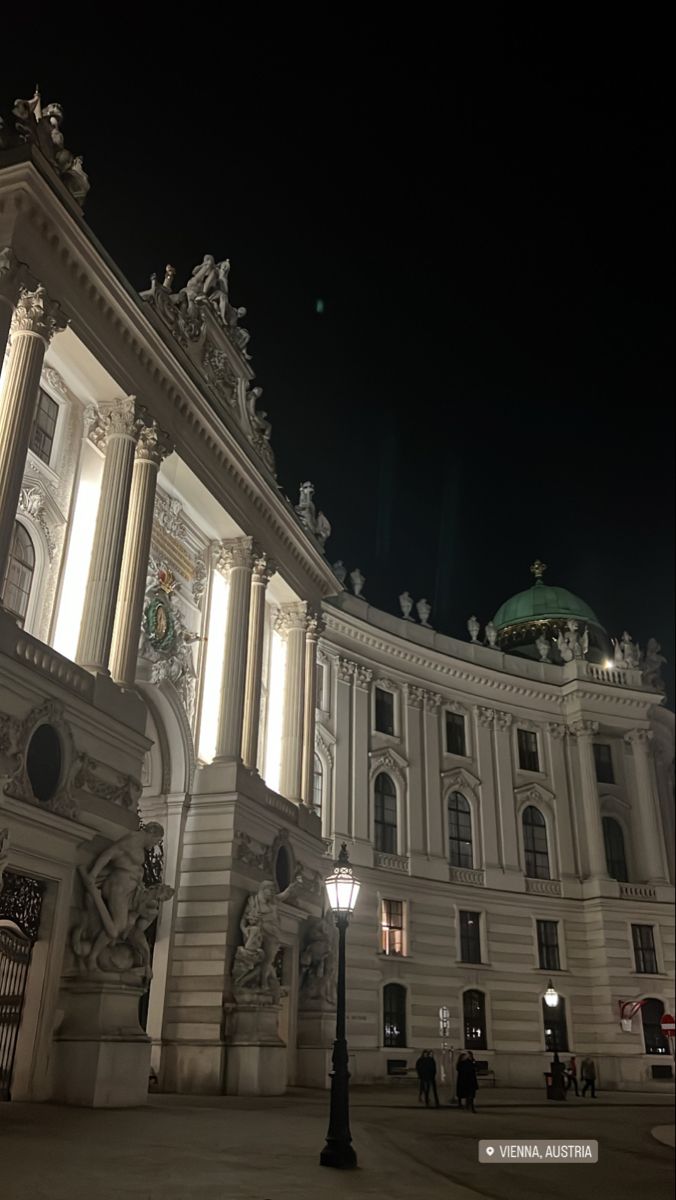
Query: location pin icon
[490, 1150]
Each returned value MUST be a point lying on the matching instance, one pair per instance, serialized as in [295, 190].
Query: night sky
[487, 216]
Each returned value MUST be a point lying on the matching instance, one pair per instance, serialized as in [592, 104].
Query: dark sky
[487, 215]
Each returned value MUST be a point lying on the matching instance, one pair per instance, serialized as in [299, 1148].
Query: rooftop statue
[406, 604]
[340, 571]
[42, 128]
[651, 665]
[473, 628]
[357, 580]
[627, 653]
[569, 643]
[315, 523]
[423, 609]
[542, 644]
[491, 634]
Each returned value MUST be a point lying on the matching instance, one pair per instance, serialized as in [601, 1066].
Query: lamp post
[557, 1090]
[444, 1018]
[342, 890]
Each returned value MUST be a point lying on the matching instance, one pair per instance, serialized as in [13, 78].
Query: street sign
[668, 1025]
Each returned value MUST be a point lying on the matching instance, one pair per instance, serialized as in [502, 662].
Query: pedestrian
[571, 1075]
[420, 1070]
[467, 1085]
[429, 1074]
[588, 1072]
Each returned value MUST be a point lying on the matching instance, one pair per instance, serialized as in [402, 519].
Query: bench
[485, 1074]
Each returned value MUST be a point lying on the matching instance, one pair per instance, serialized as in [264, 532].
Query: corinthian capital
[346, 669]
[485, 716]
[433, 701]
[236, 554]
[639, 737]
[154, 445]
[585, 729]
[123, 418]
[291, 616]
[314, 625]
[263, 567]
[503, 720]
[362, 676]
[415, 696]
[36, 314]
[556, 729]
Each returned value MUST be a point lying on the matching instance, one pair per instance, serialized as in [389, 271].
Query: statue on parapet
[42, 127]
[570, 644]
[651, 665]
[627, 652]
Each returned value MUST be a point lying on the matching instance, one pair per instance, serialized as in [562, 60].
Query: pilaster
[263, 570]
[237, 561]
[312, 631]
[654, 865]
[484, 719]
[360, 756]
[342, 776]
[292, 623]
[584, 732]
[508, 832]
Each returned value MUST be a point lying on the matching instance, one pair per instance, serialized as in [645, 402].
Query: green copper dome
[544, 603]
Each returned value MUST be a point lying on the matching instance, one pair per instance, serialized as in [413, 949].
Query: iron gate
[20, 904]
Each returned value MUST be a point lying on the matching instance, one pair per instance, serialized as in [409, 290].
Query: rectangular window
[470, 937]
[548, 945]
[644, 949]
[392, 931]
[384, 711]
[528, 750]
[455, 734]
[44, 425]
[604, 763]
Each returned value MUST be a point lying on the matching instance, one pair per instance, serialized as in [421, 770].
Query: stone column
[509, 838]
[153, 447]
[35, 321]
[121, 428]
[237, 558]
[342, 776]
[639, 740]
[490, 822]
[263, 570]
[361, 695]
[591, 809]
[568, 849]
[312, 632]
[432, 702]
[292, 621]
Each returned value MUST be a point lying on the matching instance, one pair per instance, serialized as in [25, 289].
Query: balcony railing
[468, 875]
[390, 862]
[637, 891]
[543, 887]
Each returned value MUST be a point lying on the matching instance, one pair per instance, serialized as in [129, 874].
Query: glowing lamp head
[342, 888]
[609, 664]
[551, 996]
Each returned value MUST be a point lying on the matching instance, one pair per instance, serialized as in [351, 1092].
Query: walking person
[588, 1072]
[420, 1072]
[571, 1075]
[467, 1085]
[429, 1067]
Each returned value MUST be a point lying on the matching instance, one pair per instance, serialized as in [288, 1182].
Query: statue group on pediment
[41, 126]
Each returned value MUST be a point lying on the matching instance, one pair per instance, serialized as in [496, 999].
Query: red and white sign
[668, 1025]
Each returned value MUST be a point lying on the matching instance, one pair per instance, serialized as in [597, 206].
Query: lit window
[535, 844]
[651, 1013]
[556, 1029]
[16, 588]
[394, 1015]
[604, 763]
[44, 426]
[384, 711]
[528, 750]
[548, 946]
[616, 860]
[385, 823]
[317, 786]
[474, 1020]
[470, 937]
[455, 734]
[645, 957]
[459, 831]
[392, 927]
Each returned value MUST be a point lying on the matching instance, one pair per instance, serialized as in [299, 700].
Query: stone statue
[204, 278]
[491, 634]
[322, 529]
[306, 507]
[542, 644]
[473, 627]
[570, 645]
[252, 968]
[42, 127]
[219, 294]
[406, 604]
[318, 960]
[340, 571]
[423, 609]
[118, 907]
[4, 852]
[627, 652]
[653, 661]
[357, 580]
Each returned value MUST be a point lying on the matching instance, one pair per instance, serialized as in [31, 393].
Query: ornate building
[194, 712]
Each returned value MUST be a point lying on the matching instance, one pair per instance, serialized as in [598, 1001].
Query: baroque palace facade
[195, 712]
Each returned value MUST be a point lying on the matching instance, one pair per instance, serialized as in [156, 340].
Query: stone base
[193, 1068]
[316, 1033]
[101, 1054]
[256, 1055]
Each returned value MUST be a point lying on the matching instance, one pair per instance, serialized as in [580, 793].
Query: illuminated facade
[175, 645]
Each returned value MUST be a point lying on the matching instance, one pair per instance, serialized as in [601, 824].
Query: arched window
[459, 831]
[317, 785]
[16, 588]
[556, 1029]
[474, 1020]
[655, 1041]
[394, 1015]
[385, 814]
[535, 844]
[616, 860]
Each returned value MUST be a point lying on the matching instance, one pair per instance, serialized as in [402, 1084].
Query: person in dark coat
[467, 1085]
[420, 1072]
[429, 1076]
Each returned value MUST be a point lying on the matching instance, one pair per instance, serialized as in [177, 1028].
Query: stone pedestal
[101, 1054]
[316, 1034]
[256, 1055]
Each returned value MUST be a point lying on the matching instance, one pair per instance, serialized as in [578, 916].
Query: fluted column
[312, 631]
[292, 622]
[152, 448]
[35, 321]
[263, 570]
[591, 810]
[121, 425]
[237, 559]
[654, 865]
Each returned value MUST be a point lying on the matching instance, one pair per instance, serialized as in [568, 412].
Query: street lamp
[342, 890]
[557, 1090]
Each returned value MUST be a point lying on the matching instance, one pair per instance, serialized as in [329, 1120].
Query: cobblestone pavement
[225, 1148]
